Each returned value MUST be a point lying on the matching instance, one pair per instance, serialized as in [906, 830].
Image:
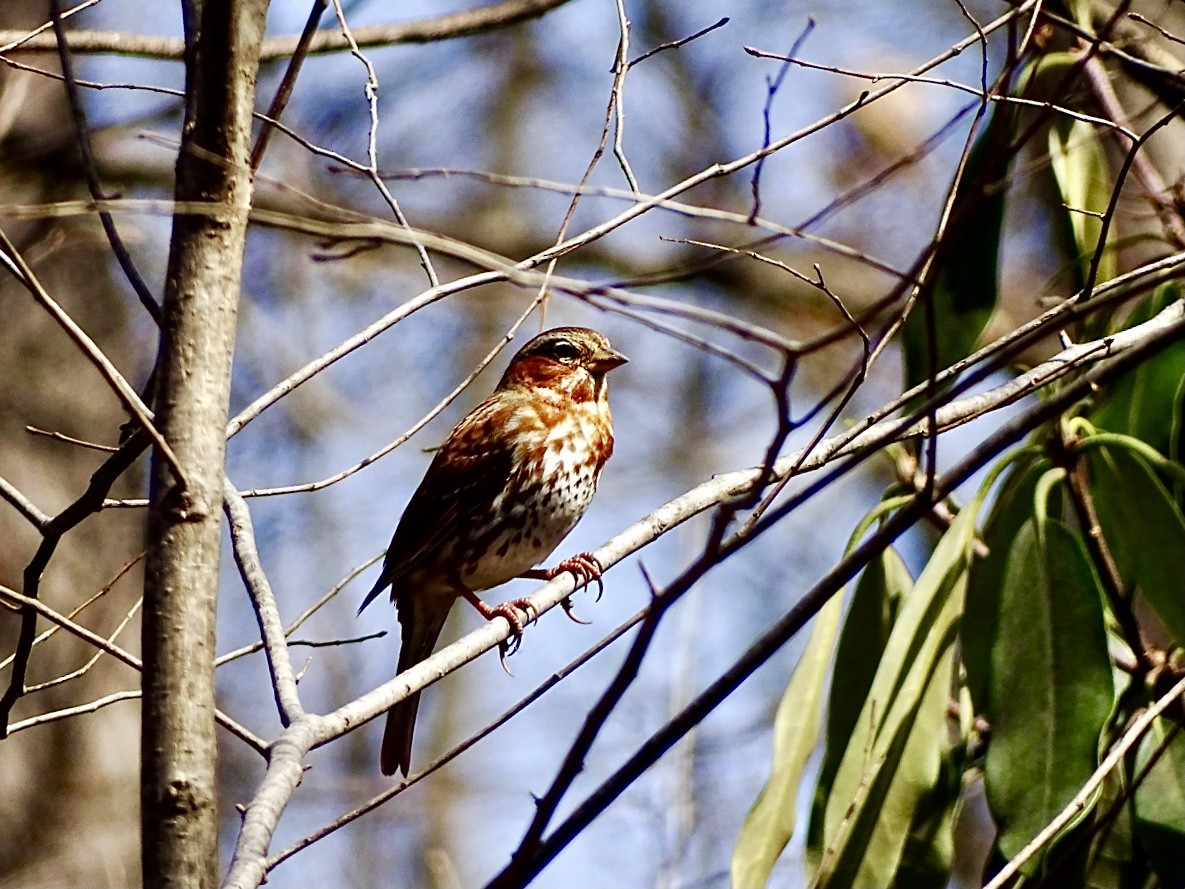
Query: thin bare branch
[682, 41]
[68, 712]
[445, 27]
[23, 505]
[263, 601]
[66, 439]
[128, 396]
[372, 150]
[284, 92]
[87, 504]
[83, 139]
[304, 616]
[94, 658]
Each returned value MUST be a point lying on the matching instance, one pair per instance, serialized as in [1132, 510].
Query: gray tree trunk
[179, 813]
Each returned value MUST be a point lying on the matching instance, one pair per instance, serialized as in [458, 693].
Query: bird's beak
[605, 360]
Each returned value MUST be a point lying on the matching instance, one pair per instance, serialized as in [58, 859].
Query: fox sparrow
[508, 484]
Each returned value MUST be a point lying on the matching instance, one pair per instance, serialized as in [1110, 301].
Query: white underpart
[570, 480]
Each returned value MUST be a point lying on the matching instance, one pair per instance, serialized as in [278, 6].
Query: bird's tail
[421, 618]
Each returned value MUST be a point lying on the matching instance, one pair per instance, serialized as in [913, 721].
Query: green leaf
[981, 617]
[1176, 449]
[1160, 801]
[1146, 403]
[967, 264]
[892, 760]
[1051, 687]
[929, 849]
[866, 629]
[1144, 529]
[770, 822]
[1079, 163]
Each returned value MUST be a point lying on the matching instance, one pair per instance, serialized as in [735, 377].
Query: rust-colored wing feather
[467, 473]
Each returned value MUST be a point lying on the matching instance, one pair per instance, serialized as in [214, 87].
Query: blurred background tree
[900, 200]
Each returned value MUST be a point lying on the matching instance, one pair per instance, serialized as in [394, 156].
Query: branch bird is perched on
[508, 484]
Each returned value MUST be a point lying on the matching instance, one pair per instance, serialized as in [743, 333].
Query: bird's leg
[512, 610]
[584, 567]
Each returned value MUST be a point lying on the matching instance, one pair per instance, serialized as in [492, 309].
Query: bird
[508, 484]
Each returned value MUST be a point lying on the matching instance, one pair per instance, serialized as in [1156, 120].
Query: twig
[979, 92]
[90, 502]
[1164, 32]
[23, 505]
[82, 606]
[67, 712]
[446, 27]
[66, 439]
[304, 616]
[1104, 561]
[372, 168]
[9, 42]
[573, 763]
[280, 101]
[126, 394]
[90, 168]
[1135, 160]
[335, 643]
[416, 427]
[72, 627]
[620, 69]
[772, 85]
[682, 41]
[74, 674]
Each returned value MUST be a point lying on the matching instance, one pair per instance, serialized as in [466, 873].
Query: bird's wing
[465, 477]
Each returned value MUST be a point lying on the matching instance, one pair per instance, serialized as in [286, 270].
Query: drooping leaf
[1160, 801]
[1177, 437]
[904, 778]
[891, 761]
[770, 823]
[1082, 174]
[929, 850]
[1051, 687]
[866, 627]
[869, 621]
[981, 617]
[967, 263]
[1144, 529]
[1146, 403]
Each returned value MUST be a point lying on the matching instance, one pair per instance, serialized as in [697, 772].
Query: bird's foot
[510, 610]
[517, 612]
[584, 568]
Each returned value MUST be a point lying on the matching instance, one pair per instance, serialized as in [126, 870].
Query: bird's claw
[566, 604]
[585, 568]
[504, 651]
[513, 611]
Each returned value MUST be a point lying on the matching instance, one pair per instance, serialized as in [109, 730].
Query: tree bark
[178, 758]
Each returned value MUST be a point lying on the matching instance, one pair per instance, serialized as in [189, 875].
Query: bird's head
[572, 359]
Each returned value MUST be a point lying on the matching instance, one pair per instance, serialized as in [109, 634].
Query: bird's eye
[565, 351]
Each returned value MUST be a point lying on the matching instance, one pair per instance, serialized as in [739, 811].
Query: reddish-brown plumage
[508, 484]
